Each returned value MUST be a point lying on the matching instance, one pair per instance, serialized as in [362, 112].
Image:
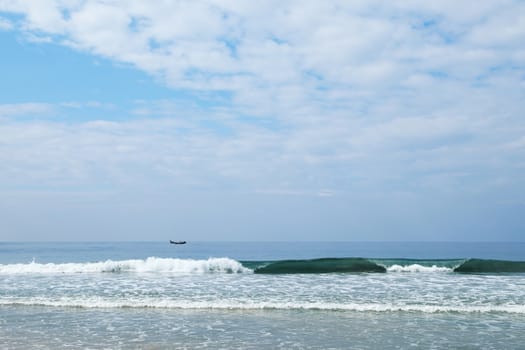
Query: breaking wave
[418, 268]
[152, 264]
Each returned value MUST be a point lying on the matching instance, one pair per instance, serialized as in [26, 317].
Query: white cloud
[5, 24]
[233, 46]
[356, 92]
[504, 27]
[22, 109]
[180, 150]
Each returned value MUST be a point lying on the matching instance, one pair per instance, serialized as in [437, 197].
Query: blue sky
[231, 120]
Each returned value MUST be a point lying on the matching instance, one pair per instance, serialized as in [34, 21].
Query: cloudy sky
[262, 120]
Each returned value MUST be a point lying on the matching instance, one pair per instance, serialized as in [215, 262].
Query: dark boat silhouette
[177, 242]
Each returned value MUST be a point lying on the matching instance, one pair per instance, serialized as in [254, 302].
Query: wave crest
[491, 266]
[418, 268]
[152, 264]
[325, 265]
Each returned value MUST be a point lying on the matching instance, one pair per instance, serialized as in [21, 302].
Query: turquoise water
[262, 295]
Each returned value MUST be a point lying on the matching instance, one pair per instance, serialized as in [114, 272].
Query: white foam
[95, 303]
[418, 268]
[152, 264]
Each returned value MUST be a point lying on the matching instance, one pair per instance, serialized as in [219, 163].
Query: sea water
[302, 295]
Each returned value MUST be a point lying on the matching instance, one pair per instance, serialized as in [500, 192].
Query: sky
[262, 121]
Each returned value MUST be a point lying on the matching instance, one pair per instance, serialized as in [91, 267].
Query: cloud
[232, 46]
[182, 151]
[292, 97]
[5, 24]
[24, 109]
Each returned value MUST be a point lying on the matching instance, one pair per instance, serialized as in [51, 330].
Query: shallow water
[51, 328]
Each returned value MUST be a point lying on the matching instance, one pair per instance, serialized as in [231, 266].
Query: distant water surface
[12, 252]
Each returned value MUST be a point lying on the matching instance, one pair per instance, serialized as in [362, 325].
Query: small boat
[177, 242]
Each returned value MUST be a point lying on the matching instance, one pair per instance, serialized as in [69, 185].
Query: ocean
[262, 295]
